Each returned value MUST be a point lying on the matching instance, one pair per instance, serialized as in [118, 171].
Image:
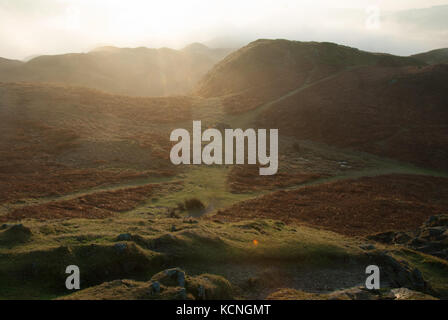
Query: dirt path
[4, 208]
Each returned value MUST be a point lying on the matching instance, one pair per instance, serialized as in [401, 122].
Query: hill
[383, 104]
[266, 69]
[136, 72]
[433, 57]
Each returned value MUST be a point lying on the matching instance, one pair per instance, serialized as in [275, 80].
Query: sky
[34, 27]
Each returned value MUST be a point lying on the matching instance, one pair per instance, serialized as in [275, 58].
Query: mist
[36, 27]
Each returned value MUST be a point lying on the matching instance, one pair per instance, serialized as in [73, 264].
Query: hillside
[266, 69]
[136, 72]
[392, 202]
[433, 57]
[383, 104]
[58, 139]
[399, 113]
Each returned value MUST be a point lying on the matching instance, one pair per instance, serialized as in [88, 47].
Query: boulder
[400, 274]
[431, 238]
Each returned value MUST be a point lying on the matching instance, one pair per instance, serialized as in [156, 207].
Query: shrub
[194, 204]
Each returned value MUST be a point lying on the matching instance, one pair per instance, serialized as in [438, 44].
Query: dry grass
[58, 139]
[293, 294]
[50, 182]
[352, 207]
[399, 113]
[92, 206]
[247, 179]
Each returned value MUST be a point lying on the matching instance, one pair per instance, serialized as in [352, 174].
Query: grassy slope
[433, 57]
[90, 245]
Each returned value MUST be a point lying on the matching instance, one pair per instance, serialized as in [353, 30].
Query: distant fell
[129, 71]
[7, 63]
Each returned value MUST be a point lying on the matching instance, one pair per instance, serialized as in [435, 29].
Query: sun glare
[61, 26]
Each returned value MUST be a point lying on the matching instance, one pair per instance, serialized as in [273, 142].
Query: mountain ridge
[126, 71]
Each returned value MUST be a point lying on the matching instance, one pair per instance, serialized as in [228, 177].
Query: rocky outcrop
[360, 293]
[170, 284]
[398, 274]
[355, 293]
[431, 238]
